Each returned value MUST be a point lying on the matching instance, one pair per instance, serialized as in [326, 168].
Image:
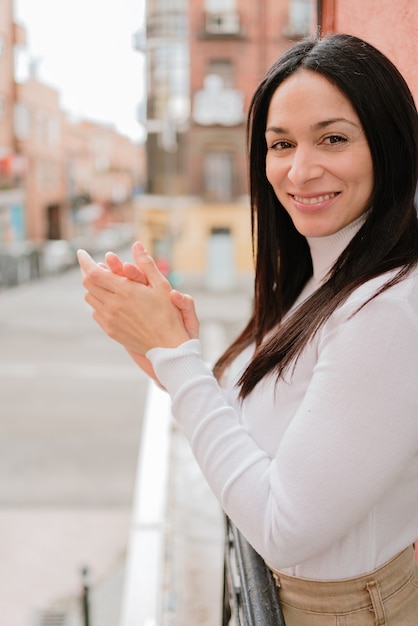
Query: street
[71, 403]
[70, 425]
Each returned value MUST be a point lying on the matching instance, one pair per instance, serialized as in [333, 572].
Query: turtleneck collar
[326, 250]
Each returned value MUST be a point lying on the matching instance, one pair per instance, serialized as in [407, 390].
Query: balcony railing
[222, 24]
[250, 593]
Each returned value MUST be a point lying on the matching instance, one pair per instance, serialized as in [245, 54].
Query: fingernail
[139, 247]
[84, 257]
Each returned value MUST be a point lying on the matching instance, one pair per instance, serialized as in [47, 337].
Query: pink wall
[390, 25]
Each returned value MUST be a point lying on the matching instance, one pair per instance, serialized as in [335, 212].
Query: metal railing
[250, 593]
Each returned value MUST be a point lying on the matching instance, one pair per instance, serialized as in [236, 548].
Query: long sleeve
[347, 455]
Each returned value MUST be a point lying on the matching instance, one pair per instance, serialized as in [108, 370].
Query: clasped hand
[135, 304]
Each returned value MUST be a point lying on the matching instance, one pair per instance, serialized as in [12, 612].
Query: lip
[309, 203]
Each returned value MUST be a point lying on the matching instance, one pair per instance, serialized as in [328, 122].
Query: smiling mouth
[316, 199]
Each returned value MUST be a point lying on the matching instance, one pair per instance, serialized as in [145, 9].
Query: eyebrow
[317, 126]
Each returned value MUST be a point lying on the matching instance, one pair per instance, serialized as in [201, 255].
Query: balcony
[221, 25]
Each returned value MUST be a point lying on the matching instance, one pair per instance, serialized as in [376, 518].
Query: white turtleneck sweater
[320, 473]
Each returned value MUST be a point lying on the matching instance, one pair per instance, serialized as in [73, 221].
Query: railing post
[250, 593]
[86, 599]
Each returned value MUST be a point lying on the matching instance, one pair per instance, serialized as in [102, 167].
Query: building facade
[38, 130]
[52, 168]
[104, 171]
[11, 162]
[196, 213]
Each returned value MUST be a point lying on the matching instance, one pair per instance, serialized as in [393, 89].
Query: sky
[83, 48]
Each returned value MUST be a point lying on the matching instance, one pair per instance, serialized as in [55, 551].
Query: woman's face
[318, 159]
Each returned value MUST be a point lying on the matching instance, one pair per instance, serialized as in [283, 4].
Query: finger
[95, 276]
[147, 265]
[114, 263]
[186, 306]
[133, 272]
[183, 302]
[81, 262]
[89, 267]
[85, 261]
[128, 270]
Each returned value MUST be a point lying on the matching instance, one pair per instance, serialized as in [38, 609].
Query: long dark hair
[388, 239]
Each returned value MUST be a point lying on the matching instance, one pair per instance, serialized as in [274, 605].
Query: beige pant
[388, 596]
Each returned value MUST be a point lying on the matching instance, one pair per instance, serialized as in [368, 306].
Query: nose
[305, 166]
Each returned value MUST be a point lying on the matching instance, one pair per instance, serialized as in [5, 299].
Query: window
[217, 104]
[21, 120]
[42, 127]
[222, 18]
[220, 259]
[222, 23]
[54, 131]
[21, 64]
[223, 68]
[300, 15]
[218, 176]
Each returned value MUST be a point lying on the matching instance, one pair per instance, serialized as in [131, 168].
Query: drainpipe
[325, 15]
[318, 16]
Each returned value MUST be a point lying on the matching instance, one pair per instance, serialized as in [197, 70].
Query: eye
[281, 145]
[335, 139]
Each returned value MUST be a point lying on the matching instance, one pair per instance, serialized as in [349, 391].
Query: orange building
[230, 51]
[71, 161]
[103, 171]
[49, 165]
[38, 132]
[204, 61]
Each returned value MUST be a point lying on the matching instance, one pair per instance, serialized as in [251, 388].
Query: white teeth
[327, 196]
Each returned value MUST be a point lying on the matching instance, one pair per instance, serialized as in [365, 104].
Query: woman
[310, 438]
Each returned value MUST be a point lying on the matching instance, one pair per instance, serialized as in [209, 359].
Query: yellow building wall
[190, 224]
